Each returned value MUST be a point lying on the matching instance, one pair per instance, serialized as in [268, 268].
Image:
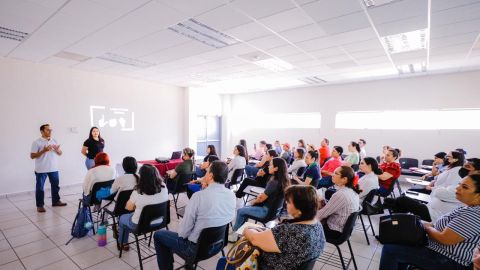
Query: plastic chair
[308, 265]
[428, 162]
[301, 171]
[345, 237]
[119, 209]
[237, 178]
[369, 209]
[148, 224]
[406, 164]
[210, 242]
[93, 200]
[179, 186]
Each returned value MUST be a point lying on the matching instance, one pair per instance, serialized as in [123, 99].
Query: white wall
[458, 90]
[33, 94]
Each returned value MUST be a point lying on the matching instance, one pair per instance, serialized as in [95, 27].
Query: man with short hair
[45, 150]
[324, 151]
[211, 207]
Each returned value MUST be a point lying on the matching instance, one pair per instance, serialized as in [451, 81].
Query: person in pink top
[329, 167]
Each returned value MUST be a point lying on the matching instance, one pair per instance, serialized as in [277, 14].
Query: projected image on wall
[119, 118]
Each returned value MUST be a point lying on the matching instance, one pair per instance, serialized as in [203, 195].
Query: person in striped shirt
[452, 238]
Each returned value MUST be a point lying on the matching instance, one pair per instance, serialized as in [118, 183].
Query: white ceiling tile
[455, 29]
[329, 52]
[286, 20]
[458, 48]
[396, 10]
[60, 61]
[453, 40]
[374, 60]
[316, 44]
[354, 36]
[53, 4]
[223, 17]
[453, 15]
[194, 7]
[342, 65]
[267, 42]
[438, 5]
[367, 54]
[22, 15]
[37, 49]
[301, 57]
[372, 44]
[177, 52]
[402, 26]
[93, 64]
[284, 50]
[6, 45]
[248, 31]
[353, 21]
[121, 6]
[323, 10]
[259, 9]
[303, 33]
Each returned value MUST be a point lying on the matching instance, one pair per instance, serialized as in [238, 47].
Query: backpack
[82, 223]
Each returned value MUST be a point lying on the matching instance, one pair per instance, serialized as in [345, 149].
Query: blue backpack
[82, 223]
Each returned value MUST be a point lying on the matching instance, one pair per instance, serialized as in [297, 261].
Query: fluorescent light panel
[312, 80]
[274, 64]
[125, 60]
[406, 42]
[412, 68]
[198, 31]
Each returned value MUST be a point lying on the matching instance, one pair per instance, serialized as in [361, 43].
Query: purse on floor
[402, 229]
[242, 256]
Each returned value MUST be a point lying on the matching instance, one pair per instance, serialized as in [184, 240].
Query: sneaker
[41, 209]
[59, 203]
[233, 237]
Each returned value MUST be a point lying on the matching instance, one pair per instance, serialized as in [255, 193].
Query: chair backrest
[210, 242]
[275, 210]
[308, 265]
[236, 177]
[301, 171]
[428, 162]
[355, 167]
[347, 229]
[96, 187]
[407, 163]
[151, 213]
[122, 199]
[180, 181]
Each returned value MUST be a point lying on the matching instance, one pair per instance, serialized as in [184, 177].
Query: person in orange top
[324, 151]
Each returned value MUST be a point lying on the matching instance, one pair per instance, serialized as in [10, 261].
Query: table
[425, 198]
[417, 181]
[254, 193]
[419, 171]
[162, 167]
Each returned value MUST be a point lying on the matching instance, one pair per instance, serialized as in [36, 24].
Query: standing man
[45, 151]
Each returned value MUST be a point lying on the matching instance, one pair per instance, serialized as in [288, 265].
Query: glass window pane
[213, 128]
[201, 148]
[201, 128]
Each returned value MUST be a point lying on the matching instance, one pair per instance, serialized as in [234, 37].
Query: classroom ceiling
[245, 45]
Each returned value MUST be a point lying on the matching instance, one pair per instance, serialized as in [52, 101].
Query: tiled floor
[31, 240]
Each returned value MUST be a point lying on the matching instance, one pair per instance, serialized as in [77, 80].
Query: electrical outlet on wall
[74, 130]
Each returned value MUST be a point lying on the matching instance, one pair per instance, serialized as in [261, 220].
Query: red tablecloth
[163, 167]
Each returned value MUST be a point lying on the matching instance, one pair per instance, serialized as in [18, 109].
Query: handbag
[403, 229]
[241, 256]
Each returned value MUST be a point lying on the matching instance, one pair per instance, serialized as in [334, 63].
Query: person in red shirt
[391, 171]
[329, 167]
[324, 151]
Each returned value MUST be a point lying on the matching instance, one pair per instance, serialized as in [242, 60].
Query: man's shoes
[59, 203]
[41, 209]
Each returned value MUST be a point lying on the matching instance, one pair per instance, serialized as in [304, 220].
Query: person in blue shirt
[211, 207]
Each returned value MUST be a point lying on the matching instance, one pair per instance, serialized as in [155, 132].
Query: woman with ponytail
[294, 241]
[369, 180]
[354, 157]
[344, 201]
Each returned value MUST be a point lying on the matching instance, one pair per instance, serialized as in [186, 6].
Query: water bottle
[102, 235]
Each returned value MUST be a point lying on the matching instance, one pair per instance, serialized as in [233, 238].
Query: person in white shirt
[238, 161]
[101, 172]
[129, 180]
[45, 151]
[369, 181]
[150, 190]
[363, 152]
[298, 162]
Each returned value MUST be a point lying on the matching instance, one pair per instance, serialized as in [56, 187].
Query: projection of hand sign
[102, 116]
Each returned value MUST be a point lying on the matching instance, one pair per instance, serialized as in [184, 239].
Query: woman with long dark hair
[92, 146]
[150, 190]
[354, 157]
[294, 241]
[238, 162]
[369, 181]
[127, 181]
[273, 193]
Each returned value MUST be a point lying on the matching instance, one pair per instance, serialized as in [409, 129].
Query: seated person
[472, 166]
[294, 241]
[238, 161]
[278, 147]
[260, 151]
[311, 176]
[286, 153]
[273, 192]
[251, 170]
[343, 202]
[127, 181]
[186, 167]
[298, 162]
[329, 167]
[262, 177]
[197, 185]
[369, 181]
[150, 190]
[391, 171]
[100, 172]
[212, 207]
[199, 171]
[452, 238]
[324, 151]
[442, 198]
[440, 164]
[354, 157]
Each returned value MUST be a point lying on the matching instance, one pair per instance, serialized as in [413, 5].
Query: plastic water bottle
[102, 235]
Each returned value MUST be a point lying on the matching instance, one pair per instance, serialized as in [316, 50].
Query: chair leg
[351, 253]
[341, 257]
[175, 200]
[371, 226]
[138, 252]
[150, 240]
[93, 227]
[364, 230]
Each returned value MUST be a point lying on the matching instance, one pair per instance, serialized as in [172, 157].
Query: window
[208, 132]
[416, 120]
[278, 121]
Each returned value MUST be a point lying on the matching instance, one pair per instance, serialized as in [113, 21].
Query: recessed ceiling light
[405, 42]
[312, 80]
[72, 56]
[412, 68]
[125, 60]
[198, 31]
[12, 34]
[274, 64]
[376, 3]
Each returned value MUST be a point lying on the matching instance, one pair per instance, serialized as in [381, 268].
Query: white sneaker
[240, 203]
[232, 237]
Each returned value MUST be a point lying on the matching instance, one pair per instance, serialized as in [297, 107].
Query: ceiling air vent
[72, 56]
[125, 60]
[12, 34]
[377, 3]
[198, 31]
[312, 80]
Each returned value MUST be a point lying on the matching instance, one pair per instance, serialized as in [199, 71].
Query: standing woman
[92, 146]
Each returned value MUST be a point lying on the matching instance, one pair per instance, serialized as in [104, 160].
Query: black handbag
[403, 229]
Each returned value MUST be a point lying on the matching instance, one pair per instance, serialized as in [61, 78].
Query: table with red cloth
[163, 167]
